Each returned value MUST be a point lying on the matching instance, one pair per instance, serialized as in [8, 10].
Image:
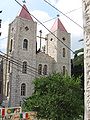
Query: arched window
[64, 52]
[40, 69]
[64, 70]
[45, 70]
[24, 67]
[25, 44]
[23, 89]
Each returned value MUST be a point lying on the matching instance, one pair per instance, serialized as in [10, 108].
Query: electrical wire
[63, 14]
[18, 60]
[16, 69]
[73, 10]
[47, 28]
[49, 20]
[18, 65]
[3, 38]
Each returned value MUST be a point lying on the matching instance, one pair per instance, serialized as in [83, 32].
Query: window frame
[64, 70]
[40, 69]
[25, 44]
[64, 52]
[45, 70]
[24, 67]
[23, 89]
[11, 45]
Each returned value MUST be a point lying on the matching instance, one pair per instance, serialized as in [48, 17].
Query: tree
[78, 63]
[56, 97]
[77, 66]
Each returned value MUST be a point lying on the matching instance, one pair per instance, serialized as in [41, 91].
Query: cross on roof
[23, 1]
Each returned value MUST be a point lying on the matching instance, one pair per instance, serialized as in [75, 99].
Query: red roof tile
[58, 25]
[25, 14]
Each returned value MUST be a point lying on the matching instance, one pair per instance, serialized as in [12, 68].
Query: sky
[43, 12]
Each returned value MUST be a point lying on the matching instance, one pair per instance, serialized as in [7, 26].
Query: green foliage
[78, 51]
[77, 67]
[56, 97]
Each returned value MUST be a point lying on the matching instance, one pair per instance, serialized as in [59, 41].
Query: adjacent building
[86, 24]
[1, 78]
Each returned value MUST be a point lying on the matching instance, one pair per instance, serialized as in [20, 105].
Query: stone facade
[1, 78]
[54, 48]
[22, 55]
[86, 21]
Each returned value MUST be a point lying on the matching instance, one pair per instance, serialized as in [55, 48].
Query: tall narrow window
[23, 89]
[64, 52]
[40, 69]
[25, 44]
[64, 69]
[9, 67]
[24, 67]
[7, 88]
[45, 70]
[11, 42]
[63, 38]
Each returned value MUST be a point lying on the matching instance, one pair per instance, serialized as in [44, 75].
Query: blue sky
[43, 12]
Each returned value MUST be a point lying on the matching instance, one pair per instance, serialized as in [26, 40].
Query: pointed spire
[24, 13]
[58, 25]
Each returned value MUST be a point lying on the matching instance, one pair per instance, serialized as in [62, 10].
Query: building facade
[86, 24]
[25, 62]
[1, 78]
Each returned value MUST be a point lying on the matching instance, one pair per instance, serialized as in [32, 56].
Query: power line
[17, 60]
[63, 14]
[73, 10]
[50, 19]
[17, 69]
[47, 28]
[19, 63]
[3, 38]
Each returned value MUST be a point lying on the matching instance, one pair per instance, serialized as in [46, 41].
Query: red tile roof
[58, 25]
[25, 14]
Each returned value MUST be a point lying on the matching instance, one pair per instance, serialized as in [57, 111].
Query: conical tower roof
[25, 13]
[58, 25]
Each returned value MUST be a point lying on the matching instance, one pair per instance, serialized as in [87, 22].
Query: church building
[25, 62]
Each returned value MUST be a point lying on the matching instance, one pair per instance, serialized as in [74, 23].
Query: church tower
[56, 47]
[24, 62]
[21, 51]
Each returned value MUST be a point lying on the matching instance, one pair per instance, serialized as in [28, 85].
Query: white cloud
[4, 29]
[64, 6]
[3, 37]
[67, 5]
[42, 17]
[76, 32]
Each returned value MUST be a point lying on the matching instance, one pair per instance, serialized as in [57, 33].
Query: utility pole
[45, 38]
[40, 38]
